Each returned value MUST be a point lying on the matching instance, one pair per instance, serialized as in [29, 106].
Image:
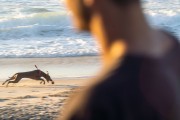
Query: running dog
[35, 74]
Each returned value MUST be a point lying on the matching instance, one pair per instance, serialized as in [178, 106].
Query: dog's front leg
[42, 80]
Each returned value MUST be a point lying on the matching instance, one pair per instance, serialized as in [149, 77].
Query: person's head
[48, 78]
[82, 12]
[110, 21]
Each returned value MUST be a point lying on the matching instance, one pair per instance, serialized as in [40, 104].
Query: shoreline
[59, 68]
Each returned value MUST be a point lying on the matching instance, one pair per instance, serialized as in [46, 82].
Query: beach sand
[30, 100]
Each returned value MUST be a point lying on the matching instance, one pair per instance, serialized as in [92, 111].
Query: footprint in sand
[34, 91]
[12, 104]
[11, 92]
[2, 100]
[26, 97]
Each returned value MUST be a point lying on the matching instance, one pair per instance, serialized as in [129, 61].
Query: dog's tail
[36, 67]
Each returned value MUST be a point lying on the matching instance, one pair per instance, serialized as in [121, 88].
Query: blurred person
[141, 65]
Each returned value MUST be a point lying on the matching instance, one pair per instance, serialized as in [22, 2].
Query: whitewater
[43, 28]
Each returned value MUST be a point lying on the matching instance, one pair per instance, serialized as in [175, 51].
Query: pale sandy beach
[30, 100]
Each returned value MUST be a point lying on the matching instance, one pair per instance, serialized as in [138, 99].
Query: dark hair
[126, 2]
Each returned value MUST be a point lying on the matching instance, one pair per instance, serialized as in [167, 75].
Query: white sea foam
[164, 14]
[43, 28]
[33, 25]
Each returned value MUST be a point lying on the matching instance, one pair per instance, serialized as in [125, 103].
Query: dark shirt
[140, 88]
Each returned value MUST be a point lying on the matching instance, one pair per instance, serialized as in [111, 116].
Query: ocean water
[43, 28]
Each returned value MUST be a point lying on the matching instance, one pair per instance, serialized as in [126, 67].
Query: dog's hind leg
[10, 82]
[10, 78]
[6, 81]
[15, 81]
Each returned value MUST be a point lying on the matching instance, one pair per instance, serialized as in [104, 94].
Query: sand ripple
[48, 107]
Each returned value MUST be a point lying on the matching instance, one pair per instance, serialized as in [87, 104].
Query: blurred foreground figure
[141, 77]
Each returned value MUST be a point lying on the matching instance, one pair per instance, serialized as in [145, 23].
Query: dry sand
[29, 100]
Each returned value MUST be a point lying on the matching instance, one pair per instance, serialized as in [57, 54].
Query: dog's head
[48, 78]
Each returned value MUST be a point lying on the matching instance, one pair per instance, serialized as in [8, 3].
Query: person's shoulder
[173, 38]
[175, 44]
